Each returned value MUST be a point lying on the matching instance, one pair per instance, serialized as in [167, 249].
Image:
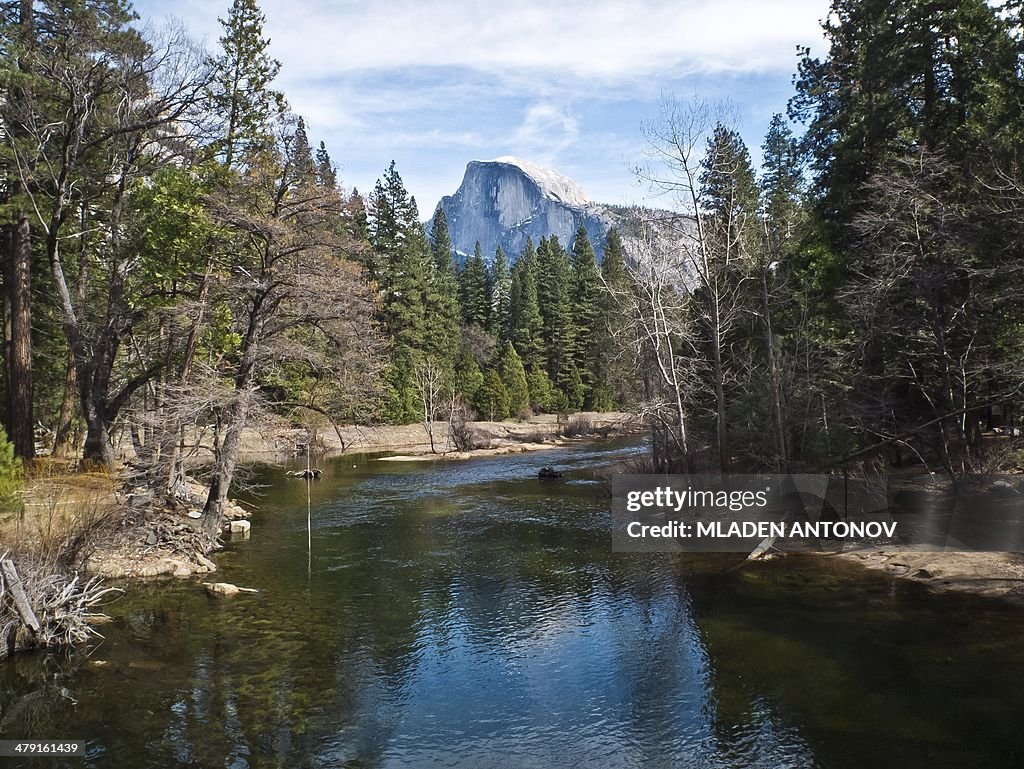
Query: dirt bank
[282, 440]
[997, 575]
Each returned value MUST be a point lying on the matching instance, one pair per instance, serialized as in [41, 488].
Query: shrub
[11, 478]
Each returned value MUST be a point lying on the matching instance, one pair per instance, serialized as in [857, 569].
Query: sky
[565, 83]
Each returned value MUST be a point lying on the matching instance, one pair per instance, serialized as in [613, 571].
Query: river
[465, 614]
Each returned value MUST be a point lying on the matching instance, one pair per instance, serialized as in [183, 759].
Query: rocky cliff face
[505, 201]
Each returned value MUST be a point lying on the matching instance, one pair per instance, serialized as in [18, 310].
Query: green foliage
[172, 228]
[611, 379]
[525, 320]
[899, 76]
[513, 376]
[11, 476]
[468, 376]
[543, 396]
[500, 281]
[474, 292]
[586, 296]
[554, 294]
[240, 94]
[402, 405]
[572, 390]
[782, 183]
[326, 175]
[417, 306]
[730, 196]
[492, 401]
[441, 243]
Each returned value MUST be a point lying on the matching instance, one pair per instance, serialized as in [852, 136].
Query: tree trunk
[18, 275]
[224, 471]
[62, 441]
[781, 444]
[719, 375]
[98, 449]
[18, 280]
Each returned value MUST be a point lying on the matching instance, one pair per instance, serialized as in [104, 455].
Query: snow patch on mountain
[551, 183]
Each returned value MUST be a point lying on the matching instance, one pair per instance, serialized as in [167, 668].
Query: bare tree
[658, 333]
[435, 393]
[289, 278]
[695, 251]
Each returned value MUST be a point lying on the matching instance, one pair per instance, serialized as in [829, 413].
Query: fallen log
[19, 598]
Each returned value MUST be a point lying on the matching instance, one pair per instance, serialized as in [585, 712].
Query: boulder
[238, 529]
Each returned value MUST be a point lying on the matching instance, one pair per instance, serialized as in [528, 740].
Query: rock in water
[238, 529]
[503, 202]
[226, 588]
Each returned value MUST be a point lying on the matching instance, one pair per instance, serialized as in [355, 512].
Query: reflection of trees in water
[34, 690]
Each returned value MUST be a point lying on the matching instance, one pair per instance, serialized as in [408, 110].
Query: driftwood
[40, 608]
[761, 551]
[19, 598]
[226, 588]
[309, 475]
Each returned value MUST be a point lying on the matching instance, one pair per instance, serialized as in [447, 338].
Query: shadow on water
[467, 614]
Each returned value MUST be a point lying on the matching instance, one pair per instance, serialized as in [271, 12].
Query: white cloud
[435, 83]
[546, 131]
[609, 40]
[603, 40]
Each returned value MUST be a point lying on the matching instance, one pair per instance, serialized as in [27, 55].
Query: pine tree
[441, 243]
[241, 92]
[526, 326]
[302, 155]
[730, 195]
[611, 379]
[585, 299]
[513, 376]
[492, 398]
[409, 287]
[468, 378]
[326, 174]
[440, 306]
[730, 241]
[902, 75]
[543, 397]
[500, 281]
[397, 265]
[473, 291]
[554, 294]
[443, 298]
[781, 185]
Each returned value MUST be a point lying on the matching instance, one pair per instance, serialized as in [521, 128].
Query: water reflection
[468, 615]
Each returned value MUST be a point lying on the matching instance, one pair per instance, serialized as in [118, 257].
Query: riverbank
[275, 442]
[995, 575]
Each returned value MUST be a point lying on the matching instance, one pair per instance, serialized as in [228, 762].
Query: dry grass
[63, 517]
[64, 514]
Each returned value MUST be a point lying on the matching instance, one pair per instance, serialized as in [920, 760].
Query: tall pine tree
[526, 325]
[586, 287]
[240, 94]
[473, 291]
[500, 281]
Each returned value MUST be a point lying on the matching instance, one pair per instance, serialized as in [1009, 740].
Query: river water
[465, 614]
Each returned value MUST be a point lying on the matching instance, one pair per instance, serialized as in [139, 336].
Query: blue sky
[568, 84]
